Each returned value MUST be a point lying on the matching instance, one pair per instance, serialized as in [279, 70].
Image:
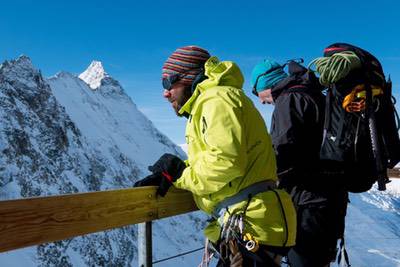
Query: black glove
[152, 179]
[170, 166]
[156, 179]
[165, 171]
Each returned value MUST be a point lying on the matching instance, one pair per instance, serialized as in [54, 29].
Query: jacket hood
[221, 73]
[218, 73]
[298, 76]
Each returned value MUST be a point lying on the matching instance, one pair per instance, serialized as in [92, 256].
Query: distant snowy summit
[94, 74]
[98, 80]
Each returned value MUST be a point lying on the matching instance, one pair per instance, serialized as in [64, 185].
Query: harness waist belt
[244, 194]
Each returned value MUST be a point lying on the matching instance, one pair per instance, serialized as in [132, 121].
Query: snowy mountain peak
[21, 71]
[94, 74]
[21, 66]
[23, 61]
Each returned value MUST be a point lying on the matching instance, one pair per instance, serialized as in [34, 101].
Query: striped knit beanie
[187, 61]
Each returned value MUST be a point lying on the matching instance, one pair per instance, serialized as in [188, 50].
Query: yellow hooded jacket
[230, 149]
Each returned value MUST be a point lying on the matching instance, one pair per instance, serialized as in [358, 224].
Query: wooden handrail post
[145, 245]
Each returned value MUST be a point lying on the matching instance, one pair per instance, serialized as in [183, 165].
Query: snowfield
[373, 227]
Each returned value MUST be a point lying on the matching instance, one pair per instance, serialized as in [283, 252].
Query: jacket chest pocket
[191, 130]
[196, 130]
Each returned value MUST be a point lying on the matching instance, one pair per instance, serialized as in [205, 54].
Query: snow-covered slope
[108, 118]
[373, 227]
[61, 136]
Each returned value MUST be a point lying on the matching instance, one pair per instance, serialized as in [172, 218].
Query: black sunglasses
[170, 80]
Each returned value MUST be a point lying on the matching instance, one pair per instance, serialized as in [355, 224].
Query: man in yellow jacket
[231, 167]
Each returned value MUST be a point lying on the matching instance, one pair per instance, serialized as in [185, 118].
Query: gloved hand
[170, 166]
[152, 179]
[165, 171]
[156, 179]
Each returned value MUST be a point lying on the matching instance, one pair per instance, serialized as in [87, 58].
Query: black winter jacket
[297, 130]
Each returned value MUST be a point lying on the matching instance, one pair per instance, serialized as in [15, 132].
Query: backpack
[360, 139]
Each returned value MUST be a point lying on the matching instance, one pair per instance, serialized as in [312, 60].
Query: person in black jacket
[297, 130]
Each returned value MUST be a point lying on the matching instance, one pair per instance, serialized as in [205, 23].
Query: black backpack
[359, 145]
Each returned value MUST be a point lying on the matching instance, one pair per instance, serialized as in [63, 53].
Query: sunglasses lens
[169, 81]
[255, 86]
[166, 83]
[254, 91]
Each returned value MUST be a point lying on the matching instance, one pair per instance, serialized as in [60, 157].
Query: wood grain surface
[32, 221]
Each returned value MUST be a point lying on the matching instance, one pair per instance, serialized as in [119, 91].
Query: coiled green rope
[335, 67]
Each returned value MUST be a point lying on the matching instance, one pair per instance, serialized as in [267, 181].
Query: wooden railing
[33, 221]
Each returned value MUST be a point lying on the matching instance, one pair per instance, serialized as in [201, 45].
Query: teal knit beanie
[274, 74]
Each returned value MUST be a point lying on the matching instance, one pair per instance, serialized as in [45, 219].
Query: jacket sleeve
[294, 118]
[224, 157]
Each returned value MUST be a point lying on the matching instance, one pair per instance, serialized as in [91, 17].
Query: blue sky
[133, 38]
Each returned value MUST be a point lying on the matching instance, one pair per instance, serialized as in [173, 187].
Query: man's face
[266, 96]
[177, 95]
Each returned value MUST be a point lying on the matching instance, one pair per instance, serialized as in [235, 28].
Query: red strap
[329, 49]
[169, 177]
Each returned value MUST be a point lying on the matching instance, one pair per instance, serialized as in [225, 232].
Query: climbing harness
[233, 232]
